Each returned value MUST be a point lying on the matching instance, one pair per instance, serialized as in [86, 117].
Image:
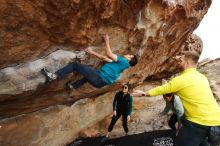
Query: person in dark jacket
[122, 106]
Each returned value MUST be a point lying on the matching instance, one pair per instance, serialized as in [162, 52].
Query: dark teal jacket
[122, 103]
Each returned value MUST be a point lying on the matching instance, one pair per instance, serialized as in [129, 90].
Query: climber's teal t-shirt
[110, 72]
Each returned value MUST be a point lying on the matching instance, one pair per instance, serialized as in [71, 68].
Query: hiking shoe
[50, 76]
[104, 139]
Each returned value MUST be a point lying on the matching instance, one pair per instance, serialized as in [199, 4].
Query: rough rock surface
[54, 126]
[36, 34]
[51, 33]
[211, 69]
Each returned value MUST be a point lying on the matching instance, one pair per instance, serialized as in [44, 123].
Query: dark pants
[90, 74]
[205, 142]
[192, 134]
[114, 120]
[172, 121]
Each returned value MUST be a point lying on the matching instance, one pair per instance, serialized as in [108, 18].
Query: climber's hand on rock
[88, 50]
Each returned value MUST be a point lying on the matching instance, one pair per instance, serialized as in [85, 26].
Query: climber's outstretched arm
[102, 57]
[108, 50]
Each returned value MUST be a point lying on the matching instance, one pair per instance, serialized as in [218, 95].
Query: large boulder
[51, 33]
[211, 69]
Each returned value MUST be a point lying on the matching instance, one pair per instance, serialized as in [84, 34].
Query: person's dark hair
[129, 86]
[192, 55]
[133, 61]
[169, 94]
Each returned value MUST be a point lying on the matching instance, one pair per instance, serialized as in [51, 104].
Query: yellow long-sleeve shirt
[195, 93]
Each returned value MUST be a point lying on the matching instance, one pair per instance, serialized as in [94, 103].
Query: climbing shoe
[50, 76]
[69, 86]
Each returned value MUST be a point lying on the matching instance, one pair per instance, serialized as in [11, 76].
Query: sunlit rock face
[51, 33]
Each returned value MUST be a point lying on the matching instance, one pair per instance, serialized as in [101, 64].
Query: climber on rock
[106, 75]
